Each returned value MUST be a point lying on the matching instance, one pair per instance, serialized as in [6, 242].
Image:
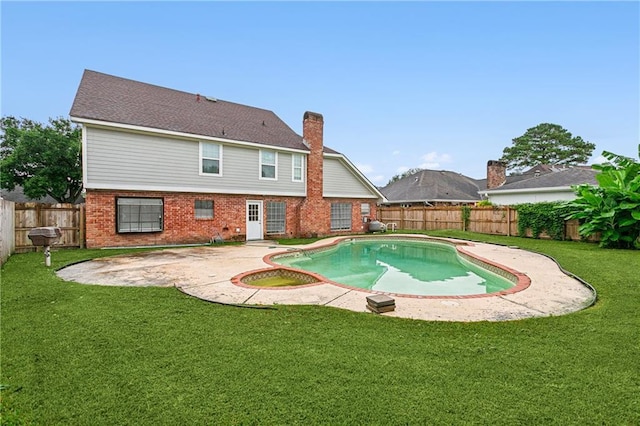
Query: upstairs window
[139, 215]
[210, 159]
[268, 160]
[297, 162]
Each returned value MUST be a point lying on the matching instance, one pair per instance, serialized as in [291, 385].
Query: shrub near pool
[79, 354]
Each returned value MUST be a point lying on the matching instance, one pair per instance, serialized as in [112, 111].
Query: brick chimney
[312, 127]
[315, 212]
[496, 174]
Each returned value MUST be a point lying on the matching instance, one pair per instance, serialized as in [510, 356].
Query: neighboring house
[432, 188]
[161, 166]
[440, 187]
[445, 188]
[18, 196]
[555, 185]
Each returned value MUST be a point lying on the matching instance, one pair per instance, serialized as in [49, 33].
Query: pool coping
[521, 281]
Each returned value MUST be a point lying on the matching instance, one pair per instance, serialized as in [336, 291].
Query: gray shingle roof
[113, 99]
[432, 185]
[564, 177]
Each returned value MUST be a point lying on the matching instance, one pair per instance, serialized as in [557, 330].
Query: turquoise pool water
[399, 266]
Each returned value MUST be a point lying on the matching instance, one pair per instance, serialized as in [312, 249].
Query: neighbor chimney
[496, 174]
[312, 126]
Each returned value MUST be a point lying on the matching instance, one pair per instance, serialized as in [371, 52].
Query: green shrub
[466, 217]
[541, 217]
[613, 207]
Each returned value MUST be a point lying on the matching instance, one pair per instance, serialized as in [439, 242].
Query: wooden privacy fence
[7, 233]
[70, 218]
[501, 220]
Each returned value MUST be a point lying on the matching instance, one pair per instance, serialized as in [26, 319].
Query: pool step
[380, 303]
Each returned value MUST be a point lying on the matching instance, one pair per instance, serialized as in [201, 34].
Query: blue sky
[441, 85]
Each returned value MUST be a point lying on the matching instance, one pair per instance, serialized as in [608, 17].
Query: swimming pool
[401, 266]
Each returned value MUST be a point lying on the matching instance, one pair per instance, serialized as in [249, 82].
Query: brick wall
[181, 227]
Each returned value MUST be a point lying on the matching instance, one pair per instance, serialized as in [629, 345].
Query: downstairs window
[139, 215]
[340, 216]
[276, 217]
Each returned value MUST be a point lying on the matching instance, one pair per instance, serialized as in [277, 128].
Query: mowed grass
[86, 355]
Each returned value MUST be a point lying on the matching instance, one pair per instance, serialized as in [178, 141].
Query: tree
[43, 159]
[547, 144]
[403, 175]
[613, 207]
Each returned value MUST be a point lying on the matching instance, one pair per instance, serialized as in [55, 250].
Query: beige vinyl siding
[340, 181]
[121, 160]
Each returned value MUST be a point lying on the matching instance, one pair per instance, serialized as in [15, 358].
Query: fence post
[82, 224]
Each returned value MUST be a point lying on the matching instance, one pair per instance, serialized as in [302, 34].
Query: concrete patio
[205, 272]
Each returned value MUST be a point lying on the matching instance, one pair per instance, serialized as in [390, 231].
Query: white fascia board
[454, 201]
[151, 130]
[373, 197]
[405, 201]
[526, 190]
[358, 173]
[199, 190]
[432, 201]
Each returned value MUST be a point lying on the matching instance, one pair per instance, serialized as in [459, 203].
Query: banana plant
[613, 207]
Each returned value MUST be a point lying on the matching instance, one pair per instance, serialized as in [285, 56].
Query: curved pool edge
[205, 273]
[521, 281]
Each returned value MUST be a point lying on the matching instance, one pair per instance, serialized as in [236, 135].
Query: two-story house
[163, 166]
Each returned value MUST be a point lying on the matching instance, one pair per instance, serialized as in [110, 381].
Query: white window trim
[201, 157]
[275, 165]
[293, 167]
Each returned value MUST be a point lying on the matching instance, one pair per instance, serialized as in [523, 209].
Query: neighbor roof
[560, 178]
[432, 185]
[113, 99]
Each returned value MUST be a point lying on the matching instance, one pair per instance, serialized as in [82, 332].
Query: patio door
[254, 220]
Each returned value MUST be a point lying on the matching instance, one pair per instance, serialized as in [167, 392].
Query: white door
[254, 220]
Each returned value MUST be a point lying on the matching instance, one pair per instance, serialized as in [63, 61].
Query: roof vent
[210, 99]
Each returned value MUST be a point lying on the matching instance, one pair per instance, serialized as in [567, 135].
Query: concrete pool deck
[206, 272]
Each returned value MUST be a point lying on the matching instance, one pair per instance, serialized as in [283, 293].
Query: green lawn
[85, 355]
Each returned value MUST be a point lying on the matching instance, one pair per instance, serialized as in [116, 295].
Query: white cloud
[396, 152]
[433, 160]
[365, 168]
[377, 179]
[429, 165]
